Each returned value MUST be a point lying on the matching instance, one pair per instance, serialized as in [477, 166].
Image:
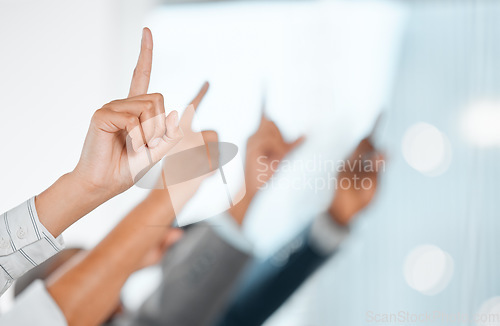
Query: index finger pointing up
[142, 71]
[188, 115]
[196, 101]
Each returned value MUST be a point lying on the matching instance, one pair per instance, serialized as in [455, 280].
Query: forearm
[65, 202]
[88, 292]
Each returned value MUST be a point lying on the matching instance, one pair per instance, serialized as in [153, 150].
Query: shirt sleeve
[325, 236]
[34, 306]
[24, 243]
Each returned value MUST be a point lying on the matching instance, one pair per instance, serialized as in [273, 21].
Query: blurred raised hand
[189, 163]
[357, 182]
[266, 148]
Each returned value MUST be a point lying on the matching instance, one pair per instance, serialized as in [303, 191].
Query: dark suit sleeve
[199, 275]
[268, 284]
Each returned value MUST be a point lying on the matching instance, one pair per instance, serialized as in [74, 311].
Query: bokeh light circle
[426, 149]
[489, 313]
[479, 123]
[428, 269]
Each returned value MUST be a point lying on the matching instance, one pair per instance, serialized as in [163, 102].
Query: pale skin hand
[367, 164]
[105, 161]
[265, 150]
[109, 163]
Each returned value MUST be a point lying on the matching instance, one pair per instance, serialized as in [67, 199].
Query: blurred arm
[199, 274]
[89, 290]
[268, 284]
[210, 258]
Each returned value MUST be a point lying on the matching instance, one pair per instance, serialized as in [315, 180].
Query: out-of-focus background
[326, 69]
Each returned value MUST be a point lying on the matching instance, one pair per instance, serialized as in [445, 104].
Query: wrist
[75, 177]
[99, 192]
[249, 194]
[340, 213]
[65, 202]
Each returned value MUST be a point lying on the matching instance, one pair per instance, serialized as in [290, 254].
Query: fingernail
[154, 143]
[140, 149]
[143, 34]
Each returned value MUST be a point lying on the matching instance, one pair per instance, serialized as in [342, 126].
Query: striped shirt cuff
[24, 242]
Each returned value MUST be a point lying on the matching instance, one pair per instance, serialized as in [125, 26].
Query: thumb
[296, 143]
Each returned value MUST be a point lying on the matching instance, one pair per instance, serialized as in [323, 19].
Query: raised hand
[191, 160]
[265, 150]
[357, 182]
[127, 137]
[192, 138]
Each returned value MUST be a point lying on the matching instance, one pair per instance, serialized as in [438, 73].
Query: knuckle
[107, 106]
[132, 121]
[150, 105]
[111, 106]
[158, 97]
[98, 114]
